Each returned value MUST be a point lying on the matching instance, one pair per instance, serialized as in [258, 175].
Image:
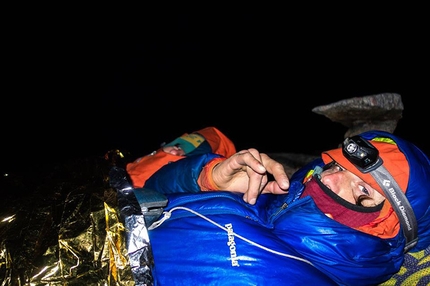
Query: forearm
[180, 176]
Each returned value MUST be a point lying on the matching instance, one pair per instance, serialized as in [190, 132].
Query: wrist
[205, 180]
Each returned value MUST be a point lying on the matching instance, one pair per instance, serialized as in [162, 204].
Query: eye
[364, 190]
[338, 167]
[328, 166]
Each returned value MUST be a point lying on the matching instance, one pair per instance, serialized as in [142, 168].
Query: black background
[80, 82]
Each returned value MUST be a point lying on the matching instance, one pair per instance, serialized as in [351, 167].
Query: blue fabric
[189, 250]
[171, 179]
[282, 239]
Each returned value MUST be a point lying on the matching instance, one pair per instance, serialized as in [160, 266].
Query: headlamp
[361, 154]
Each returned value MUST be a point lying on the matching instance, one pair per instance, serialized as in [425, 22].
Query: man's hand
[246, 172]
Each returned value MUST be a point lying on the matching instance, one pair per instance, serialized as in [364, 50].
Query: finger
[255, 186]
[258, 181]
[255, 174]
[273, 188]
[249, 159]
[234, 171]
[255, 161]
[277, 170]
[255, 171]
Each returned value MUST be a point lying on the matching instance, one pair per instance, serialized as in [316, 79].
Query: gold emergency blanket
[66, 231]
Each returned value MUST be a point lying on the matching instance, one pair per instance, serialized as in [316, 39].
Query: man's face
[174, 150]
[350, 187]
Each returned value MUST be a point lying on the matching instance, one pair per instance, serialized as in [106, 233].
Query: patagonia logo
[232, 245]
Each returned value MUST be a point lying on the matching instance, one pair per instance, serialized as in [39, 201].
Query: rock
[374, 112]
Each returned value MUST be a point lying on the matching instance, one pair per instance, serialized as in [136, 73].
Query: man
[346, 218]
[206, 140]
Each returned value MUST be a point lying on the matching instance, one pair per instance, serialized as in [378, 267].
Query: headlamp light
[361, 154]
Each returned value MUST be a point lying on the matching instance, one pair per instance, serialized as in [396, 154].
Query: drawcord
[168, 214]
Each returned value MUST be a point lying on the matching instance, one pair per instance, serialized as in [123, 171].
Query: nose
[339, 184]
[330, 181]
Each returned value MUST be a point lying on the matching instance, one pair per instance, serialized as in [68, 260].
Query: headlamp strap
[400, 204]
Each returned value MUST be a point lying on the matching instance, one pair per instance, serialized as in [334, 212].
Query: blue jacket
[215, 238]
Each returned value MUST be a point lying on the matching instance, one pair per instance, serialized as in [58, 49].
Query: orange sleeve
[141, 169]
[205, 179]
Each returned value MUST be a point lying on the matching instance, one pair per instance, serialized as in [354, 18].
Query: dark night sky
[81, 85]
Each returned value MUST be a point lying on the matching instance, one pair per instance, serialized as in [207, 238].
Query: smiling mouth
[362, 198]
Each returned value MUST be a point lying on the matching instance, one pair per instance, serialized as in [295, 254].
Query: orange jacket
[143, 168]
